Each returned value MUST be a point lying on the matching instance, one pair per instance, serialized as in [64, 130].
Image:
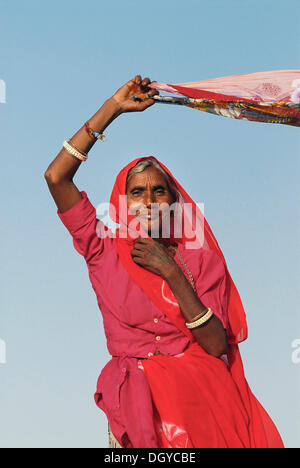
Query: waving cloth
[271, 97]
[227, 402]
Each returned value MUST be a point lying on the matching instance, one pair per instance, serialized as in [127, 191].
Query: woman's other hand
[138, 88]
[153, 256]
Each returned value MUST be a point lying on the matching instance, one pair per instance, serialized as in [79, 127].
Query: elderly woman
[172, 315]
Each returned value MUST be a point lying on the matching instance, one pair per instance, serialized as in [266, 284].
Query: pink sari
[199, 400]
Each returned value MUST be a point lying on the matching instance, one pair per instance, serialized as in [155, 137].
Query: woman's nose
[149, 199]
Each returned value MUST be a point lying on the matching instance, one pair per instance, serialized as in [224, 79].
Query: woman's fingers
[137, 79]
[141, 82]
[140, 247]
[137, 251]
[137, 255]
[142, 241]
[145, 82]
[136, 95]
[152, 93]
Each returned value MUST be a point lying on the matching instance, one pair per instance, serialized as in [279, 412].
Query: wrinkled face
[148, 198]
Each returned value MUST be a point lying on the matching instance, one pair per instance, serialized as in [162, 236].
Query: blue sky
[60, 61]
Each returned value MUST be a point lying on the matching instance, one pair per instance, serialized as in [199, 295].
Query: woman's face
[148, 198]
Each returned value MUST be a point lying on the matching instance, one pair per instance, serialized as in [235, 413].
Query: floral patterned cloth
[270, 97]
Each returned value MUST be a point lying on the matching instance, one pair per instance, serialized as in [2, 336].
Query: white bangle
[201, 320]
[74, 151]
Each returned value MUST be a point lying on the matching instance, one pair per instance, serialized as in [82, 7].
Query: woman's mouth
[153, 215]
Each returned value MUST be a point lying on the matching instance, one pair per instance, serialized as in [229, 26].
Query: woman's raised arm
[60, 173]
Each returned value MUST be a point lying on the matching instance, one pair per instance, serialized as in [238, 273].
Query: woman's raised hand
[140, 90]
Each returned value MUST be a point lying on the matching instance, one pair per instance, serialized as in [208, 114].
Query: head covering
[196, 234]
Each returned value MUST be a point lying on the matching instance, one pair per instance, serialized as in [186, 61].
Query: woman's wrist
[108, 112]
[115, 106]
[172, 273]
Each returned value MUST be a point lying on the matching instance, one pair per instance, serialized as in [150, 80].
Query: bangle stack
[74, 151]
[200, 319]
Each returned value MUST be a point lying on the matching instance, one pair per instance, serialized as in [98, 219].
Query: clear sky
[60, 61]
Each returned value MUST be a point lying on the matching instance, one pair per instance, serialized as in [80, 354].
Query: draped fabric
[201, 403]
[201, 398]
[271, 97]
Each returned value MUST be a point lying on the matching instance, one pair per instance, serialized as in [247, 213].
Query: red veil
[200, 400]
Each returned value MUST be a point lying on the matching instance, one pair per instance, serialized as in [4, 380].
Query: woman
[172, 315]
